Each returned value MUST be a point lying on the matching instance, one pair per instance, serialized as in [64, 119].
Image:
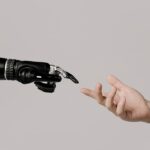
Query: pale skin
[122, 100]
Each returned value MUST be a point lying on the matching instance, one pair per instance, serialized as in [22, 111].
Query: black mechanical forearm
[2, 68]
[42, 74]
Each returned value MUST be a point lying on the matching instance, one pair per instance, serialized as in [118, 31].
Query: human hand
[122, 100]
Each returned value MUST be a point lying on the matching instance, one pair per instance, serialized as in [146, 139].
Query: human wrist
[147, 118]
[148, 103]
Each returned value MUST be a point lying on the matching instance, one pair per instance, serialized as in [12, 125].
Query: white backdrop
[91, 39]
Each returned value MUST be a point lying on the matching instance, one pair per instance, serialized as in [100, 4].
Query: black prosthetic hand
[42, 74]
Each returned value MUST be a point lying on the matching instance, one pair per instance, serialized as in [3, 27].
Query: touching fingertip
[82, 90]
[85, 91]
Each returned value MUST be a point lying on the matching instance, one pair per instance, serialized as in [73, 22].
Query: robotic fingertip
[72, 78]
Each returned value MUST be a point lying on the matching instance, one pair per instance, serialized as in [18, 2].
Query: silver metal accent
[5, 75]
[54, 68]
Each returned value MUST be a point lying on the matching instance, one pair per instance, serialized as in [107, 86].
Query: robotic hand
[42, 74]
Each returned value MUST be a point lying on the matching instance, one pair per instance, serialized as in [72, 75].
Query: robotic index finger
[54, 69]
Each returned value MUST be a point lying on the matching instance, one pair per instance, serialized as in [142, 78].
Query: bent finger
[121, 107]
[110, 99]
